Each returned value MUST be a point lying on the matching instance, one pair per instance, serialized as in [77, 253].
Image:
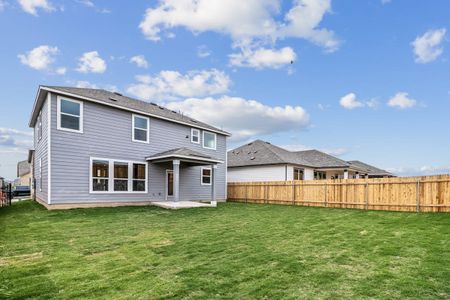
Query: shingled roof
[263, 153]
[373, 171]
[127, 103]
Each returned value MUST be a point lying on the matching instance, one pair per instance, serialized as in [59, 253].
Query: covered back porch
[178, 166]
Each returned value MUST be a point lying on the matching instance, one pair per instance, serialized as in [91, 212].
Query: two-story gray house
[99, 148]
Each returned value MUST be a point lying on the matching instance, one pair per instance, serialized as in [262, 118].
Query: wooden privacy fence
[421, 194]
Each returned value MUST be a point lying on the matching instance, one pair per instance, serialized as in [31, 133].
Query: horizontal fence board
[424, 193]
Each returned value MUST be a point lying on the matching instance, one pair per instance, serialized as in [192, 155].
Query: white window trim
[215, 140]
[132, 128]
[192, 135]
[58, 111]
[111, 176]
[40, 126]
[201, 175]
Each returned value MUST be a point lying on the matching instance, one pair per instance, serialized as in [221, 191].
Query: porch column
[367, 176]
[357, 175]
[213, 185]
[345, 174]
[176, 180]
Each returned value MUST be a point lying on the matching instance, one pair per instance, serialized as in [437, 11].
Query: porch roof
[184, 154]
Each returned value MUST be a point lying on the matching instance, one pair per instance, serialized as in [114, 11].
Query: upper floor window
[70, 115]
[39, 126]
[140, 129]
[195, 136]
[298, 174]
[209, 140]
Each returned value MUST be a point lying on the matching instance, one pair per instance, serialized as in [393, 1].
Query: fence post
[418, 196]
[9, 193]
[366, 196]
[246, 193]
[266, 193]
[326, 195]
[293, 192]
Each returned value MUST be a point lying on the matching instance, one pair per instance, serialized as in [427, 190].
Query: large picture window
[140, 129]
[209, 140]
[70, 115]
[116, 176]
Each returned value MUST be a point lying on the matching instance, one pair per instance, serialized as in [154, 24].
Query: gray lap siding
[41, 155]
[107, 133]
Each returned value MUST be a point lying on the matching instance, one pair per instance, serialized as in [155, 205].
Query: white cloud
[349, 101]
[2, 5]
[12, 131]
[263, 58]
[11, 138]
[87, 3]
[39, 58]
[32, 6]
[88, 85]
[203, 51]
[171, 85]
[427, 46]
[385, 1]
[243, 118]
[402, 101]
[373, 103]
[61, 71]
[91, 62]
[140, 61]
[259, 20]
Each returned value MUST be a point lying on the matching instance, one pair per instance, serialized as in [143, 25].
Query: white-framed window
[206, 176]
[40, 174]
[298, 174]
[140, 129]
[117, 176]
[195, 136]
[39, 129]
[69, 115]
[209, 140]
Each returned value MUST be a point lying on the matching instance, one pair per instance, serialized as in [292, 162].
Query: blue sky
[369, 79]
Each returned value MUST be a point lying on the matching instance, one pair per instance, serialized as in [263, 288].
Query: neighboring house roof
[374, 171]
[263, 153]
[30, 155]
[322, 160]
[122, 102]
[183, 153]
[23, 168]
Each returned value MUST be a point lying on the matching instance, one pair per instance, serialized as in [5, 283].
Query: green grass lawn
[237, 251]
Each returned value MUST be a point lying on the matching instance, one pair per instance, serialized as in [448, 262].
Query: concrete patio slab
[182, 204]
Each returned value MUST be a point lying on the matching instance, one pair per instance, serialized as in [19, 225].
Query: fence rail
[421, 194]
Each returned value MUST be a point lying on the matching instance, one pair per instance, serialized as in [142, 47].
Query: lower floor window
[320, 175]
[118, 176]
[206, 176]
[298, 174]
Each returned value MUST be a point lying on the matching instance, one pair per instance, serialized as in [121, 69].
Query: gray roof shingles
[260, 152]
[130, 103]
[183, 152]
[371, 169]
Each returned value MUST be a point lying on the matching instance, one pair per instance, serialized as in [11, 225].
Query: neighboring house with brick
[23, 174]
[262, 161]
[96, 148]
